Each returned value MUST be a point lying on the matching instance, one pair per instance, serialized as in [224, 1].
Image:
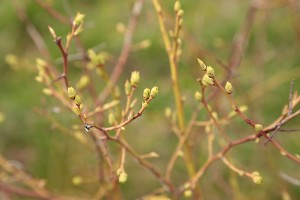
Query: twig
[291, 98]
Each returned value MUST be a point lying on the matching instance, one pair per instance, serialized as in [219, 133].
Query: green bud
[135, 78]
[111, 118]
[180, 22]
[228, 87]
[52, 32]
[77, 100]
[154, 91]
[258, 127]
[177, 6]
[168, 112]
[210, 72]
[40, 64]
[76, 110]
[202, 65]
[47, 91]
[198, 96]
[78, 19]
[130, 116]
[180, 13]
[146, 94]
[206, 80]
[83, 82]
[79, 29]
[127, 87]
[257, 179]
[77, 180]
[243, 108]
[215, 115]
[123, 177]
[117, 92]
[71, 92]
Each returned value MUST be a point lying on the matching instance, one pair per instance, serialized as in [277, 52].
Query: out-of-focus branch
[119, 67]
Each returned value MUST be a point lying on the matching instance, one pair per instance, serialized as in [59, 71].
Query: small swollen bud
[76, 110]
[77, 180]
[83, 82]
[79, 29]
[77, 100]
[127, 87]
[258, 127]
[210, 72]
[206, 80]
[154, 91]
[168, 112]
[40, 63]
[228, 87]
[146, 94]
[78, 19]
[177, 6]
[71, 92]
[257, 179]
[52, 32]
[198, 96]
[111, 118]
[135, 78]
[180, 13]
[47, 91]
[116, 92]
[202, 65]
[123, 177]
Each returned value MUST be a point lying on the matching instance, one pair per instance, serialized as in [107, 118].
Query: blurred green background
[270, 61]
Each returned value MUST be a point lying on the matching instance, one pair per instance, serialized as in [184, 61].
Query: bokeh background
[271, 60]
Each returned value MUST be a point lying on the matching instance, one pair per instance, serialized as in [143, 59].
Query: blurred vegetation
[270, 61]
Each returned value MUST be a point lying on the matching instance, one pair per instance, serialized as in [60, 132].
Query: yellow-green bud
[210, 72]
[77, 100]
[116, 92]
[79, 29]
[83, 82]
[145, 44]
[78, 19]
[40, 63]
[243, 108]
[71, 92]
[2, 117]
[76, 110]
[257, 179]
[77, 180]
[47, 91]
[127, 87]
[206, 80]
[177, 6]
[39, 79]
[202, 65]
[52, 32]
[180, 22]
[215, 115]
[146, 94]
[154, 91]
[180, 13]
[188, 191]
[130, 116]
[123, 177]
[198, 96]
[135, 78]
[168, 112]
[258, 127]
[228, 87]
[111, 118]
